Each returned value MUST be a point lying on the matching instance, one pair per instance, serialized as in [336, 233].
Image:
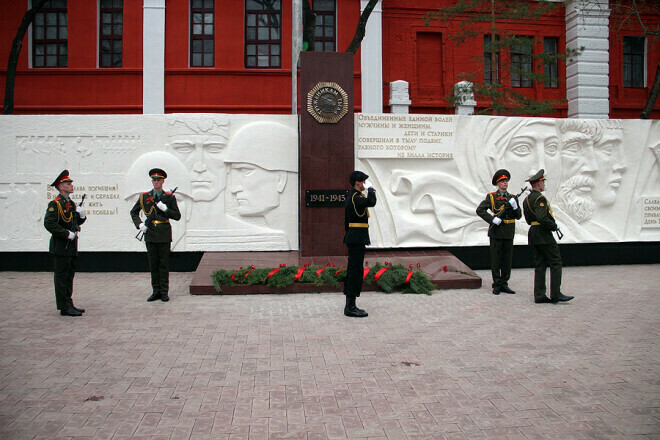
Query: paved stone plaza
[457, 364]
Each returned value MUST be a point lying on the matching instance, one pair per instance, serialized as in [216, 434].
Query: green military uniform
[158, 236]
[538, 214]
[60, 220]
[501, 236]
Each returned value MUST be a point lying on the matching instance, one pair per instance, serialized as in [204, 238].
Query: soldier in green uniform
[158, 207]
[538, 215]
[63, 219]
[356, 225]
[505, 211]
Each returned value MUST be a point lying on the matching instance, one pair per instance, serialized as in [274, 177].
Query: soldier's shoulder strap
[357, 193]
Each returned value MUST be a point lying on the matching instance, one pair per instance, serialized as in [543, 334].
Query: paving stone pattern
[460, 364]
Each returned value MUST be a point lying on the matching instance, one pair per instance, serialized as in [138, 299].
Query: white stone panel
[603, 180]
[236, 178]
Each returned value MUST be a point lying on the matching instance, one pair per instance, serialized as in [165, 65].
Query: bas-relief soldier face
[532, 147]
[256, 190]
[204, 157]
[611, 165]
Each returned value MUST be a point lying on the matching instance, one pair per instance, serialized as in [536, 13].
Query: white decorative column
[153, 58]
[464, 93]
[399, 97]
[371, 59]
[296, 46]
[587, 76]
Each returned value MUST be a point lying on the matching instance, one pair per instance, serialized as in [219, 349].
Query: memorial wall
[236, 178]
[431, 172]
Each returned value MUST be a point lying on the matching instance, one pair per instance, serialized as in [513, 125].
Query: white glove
[143, 227]
[367, 184]
[71, 236]
[80, 211]
[513, 203]
[497, 221]
[162, 206]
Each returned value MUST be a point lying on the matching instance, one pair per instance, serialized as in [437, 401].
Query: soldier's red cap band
[503, 176]
[537, 180]
[157, 175]
[63, 179]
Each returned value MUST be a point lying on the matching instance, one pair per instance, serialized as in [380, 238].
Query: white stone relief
[594, 170]
[21, 214]
[109, 157]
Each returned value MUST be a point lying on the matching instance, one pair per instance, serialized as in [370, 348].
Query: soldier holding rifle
[158, 207]
[539, 216]
[504, 211]
[63, 219]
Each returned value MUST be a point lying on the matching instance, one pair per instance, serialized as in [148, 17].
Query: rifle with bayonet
[149, 221]
[507, 208]
[75, 227]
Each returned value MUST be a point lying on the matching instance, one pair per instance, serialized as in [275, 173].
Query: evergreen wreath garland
[391, 277]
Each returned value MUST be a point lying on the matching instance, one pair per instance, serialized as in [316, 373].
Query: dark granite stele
[457, 276]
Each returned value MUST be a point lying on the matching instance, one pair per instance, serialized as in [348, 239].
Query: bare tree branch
[8, 105]
[653, 94]
[361, 26]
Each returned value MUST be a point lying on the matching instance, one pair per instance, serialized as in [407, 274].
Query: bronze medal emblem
[327, 102]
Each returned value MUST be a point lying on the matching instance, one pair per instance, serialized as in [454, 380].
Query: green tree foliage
[507, 55]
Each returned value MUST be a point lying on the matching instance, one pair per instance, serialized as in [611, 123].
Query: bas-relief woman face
[534, 146]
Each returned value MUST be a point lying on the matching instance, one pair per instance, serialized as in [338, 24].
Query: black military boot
[164, 297]
[154, 296]
[351, 310]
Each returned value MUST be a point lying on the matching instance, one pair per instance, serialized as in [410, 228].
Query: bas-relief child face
[204, 157]
[256, 189]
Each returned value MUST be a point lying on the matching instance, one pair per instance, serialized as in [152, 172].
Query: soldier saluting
[158, 207]
[505, 211]
[62, 220]
[539, 216]
[356, 225]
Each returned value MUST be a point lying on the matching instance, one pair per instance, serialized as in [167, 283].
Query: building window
[201, 33]
[521, 62]
[111, 29]
[551, 67]
[263, 27]
[488, 65]
[324, 37]
[633, 61]
[49, 35]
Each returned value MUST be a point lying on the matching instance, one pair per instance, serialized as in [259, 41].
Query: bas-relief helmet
[179, 175]
[269, 145]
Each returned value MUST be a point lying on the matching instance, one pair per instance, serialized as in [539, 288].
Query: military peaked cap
[501, 175]
[63, 177]
[357, 176]
[536, 177]
[157, 172]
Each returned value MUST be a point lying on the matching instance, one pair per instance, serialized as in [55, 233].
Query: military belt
[358, 225]
[157, 222]
[508, 221]
[535, 224]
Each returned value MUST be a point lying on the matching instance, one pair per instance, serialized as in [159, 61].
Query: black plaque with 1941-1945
[325, 198]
